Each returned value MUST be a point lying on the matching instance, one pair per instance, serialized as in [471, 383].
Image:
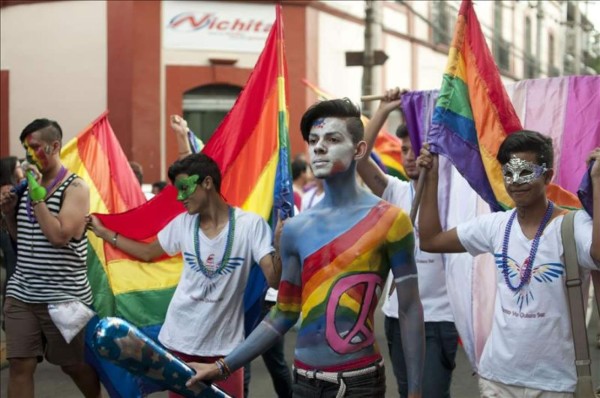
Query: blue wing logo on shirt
[543, 273]
[212, 269]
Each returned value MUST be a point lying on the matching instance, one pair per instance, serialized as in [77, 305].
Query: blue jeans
[371, 385]
[274, 360]
[441, 341]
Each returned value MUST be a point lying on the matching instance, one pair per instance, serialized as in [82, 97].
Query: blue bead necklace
[528, 264]
[228, 245]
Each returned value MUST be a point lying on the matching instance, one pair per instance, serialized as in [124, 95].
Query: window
[552, 69]
[443, 22]
[500, 46]
[205, 107]
[529, 59]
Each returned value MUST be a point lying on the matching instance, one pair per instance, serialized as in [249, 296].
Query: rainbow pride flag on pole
[251, 147]
[387, 150]
[473, 115]
[121, 286]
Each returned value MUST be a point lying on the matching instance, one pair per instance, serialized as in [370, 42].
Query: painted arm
[70, 221]
[410, 309]
[140, 250]
[271, 264]
[281, 318]
[368, 170]
[432, 238]
[595, 176]
[180, 127]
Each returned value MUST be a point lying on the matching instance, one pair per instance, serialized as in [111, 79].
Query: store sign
[220, 26]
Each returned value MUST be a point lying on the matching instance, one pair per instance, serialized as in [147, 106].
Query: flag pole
[418, 194]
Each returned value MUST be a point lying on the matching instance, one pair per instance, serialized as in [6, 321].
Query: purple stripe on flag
[585, 191]
[467, 160]
[581, 129]
[418, 107]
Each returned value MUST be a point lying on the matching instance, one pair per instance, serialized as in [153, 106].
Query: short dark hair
[8, 165]
[160, 185]
[402, 131]
[197, 164]
[51, 130]
[299, 166]
[341, 108]
[138, 170]
[527, 141]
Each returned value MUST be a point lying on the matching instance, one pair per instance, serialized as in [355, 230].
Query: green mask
[186, 186]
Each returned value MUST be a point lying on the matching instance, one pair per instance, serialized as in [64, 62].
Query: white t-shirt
[311, 198]
[530, 343]
[430, 266]
[206, 315]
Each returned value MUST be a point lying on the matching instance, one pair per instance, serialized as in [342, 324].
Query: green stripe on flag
[454, 95]
[144, 308]
[104, 300]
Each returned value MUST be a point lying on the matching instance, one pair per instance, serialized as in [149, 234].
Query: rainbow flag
[473, 115]
[251, 147]
[387, 150]
[121, 286]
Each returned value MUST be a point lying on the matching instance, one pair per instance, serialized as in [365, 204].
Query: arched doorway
[204, 107]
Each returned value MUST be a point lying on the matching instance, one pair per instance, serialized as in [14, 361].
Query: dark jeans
[274, 360]
[371, 385]
[441, 341]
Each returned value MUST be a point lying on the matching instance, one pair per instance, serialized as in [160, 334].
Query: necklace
[228, 245]
[61, 174]
[525, 273]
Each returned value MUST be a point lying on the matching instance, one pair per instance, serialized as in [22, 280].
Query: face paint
[186, 186]
[519, 171]
[35, 153]
[331, 149]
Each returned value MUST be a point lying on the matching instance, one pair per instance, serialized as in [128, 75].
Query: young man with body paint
[336, 258]
[441, 336]
[219, 243]
[51, 265]
[530, 347]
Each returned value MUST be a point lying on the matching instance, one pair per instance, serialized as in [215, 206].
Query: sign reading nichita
[220, 26]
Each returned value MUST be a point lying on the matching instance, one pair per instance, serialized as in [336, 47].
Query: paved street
[51, 383]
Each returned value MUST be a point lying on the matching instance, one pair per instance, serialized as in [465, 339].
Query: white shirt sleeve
[478, 235]
[170, 236]
[583, 240]
[398, 193]
[261, 239]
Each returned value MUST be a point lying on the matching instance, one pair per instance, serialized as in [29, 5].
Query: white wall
[56, 55]
[337, 36]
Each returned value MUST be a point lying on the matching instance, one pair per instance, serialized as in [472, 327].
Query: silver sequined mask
[519, 171]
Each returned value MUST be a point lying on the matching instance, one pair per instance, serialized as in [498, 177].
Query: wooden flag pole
[373, 97]
[418, 193]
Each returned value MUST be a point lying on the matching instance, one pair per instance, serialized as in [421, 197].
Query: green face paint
[186, 186]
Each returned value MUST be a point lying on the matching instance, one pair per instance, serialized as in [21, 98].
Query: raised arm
[595, 175]
[281, 318]
[140, 250]
[431, 236]
[180, 127]
[271, 263]
[368, 170]
[410, 310]
[70, 221]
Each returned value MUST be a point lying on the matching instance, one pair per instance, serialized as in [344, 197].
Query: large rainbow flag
[251, 147]
[387, 150]
[473, 115]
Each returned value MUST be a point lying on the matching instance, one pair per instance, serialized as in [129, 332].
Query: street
[51, 383]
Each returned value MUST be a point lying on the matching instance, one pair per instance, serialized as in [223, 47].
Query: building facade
[146, 60]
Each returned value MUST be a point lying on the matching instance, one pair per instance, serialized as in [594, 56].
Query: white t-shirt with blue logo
[206, 315]
[530, 344]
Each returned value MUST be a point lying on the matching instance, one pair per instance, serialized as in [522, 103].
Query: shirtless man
[336, 257]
